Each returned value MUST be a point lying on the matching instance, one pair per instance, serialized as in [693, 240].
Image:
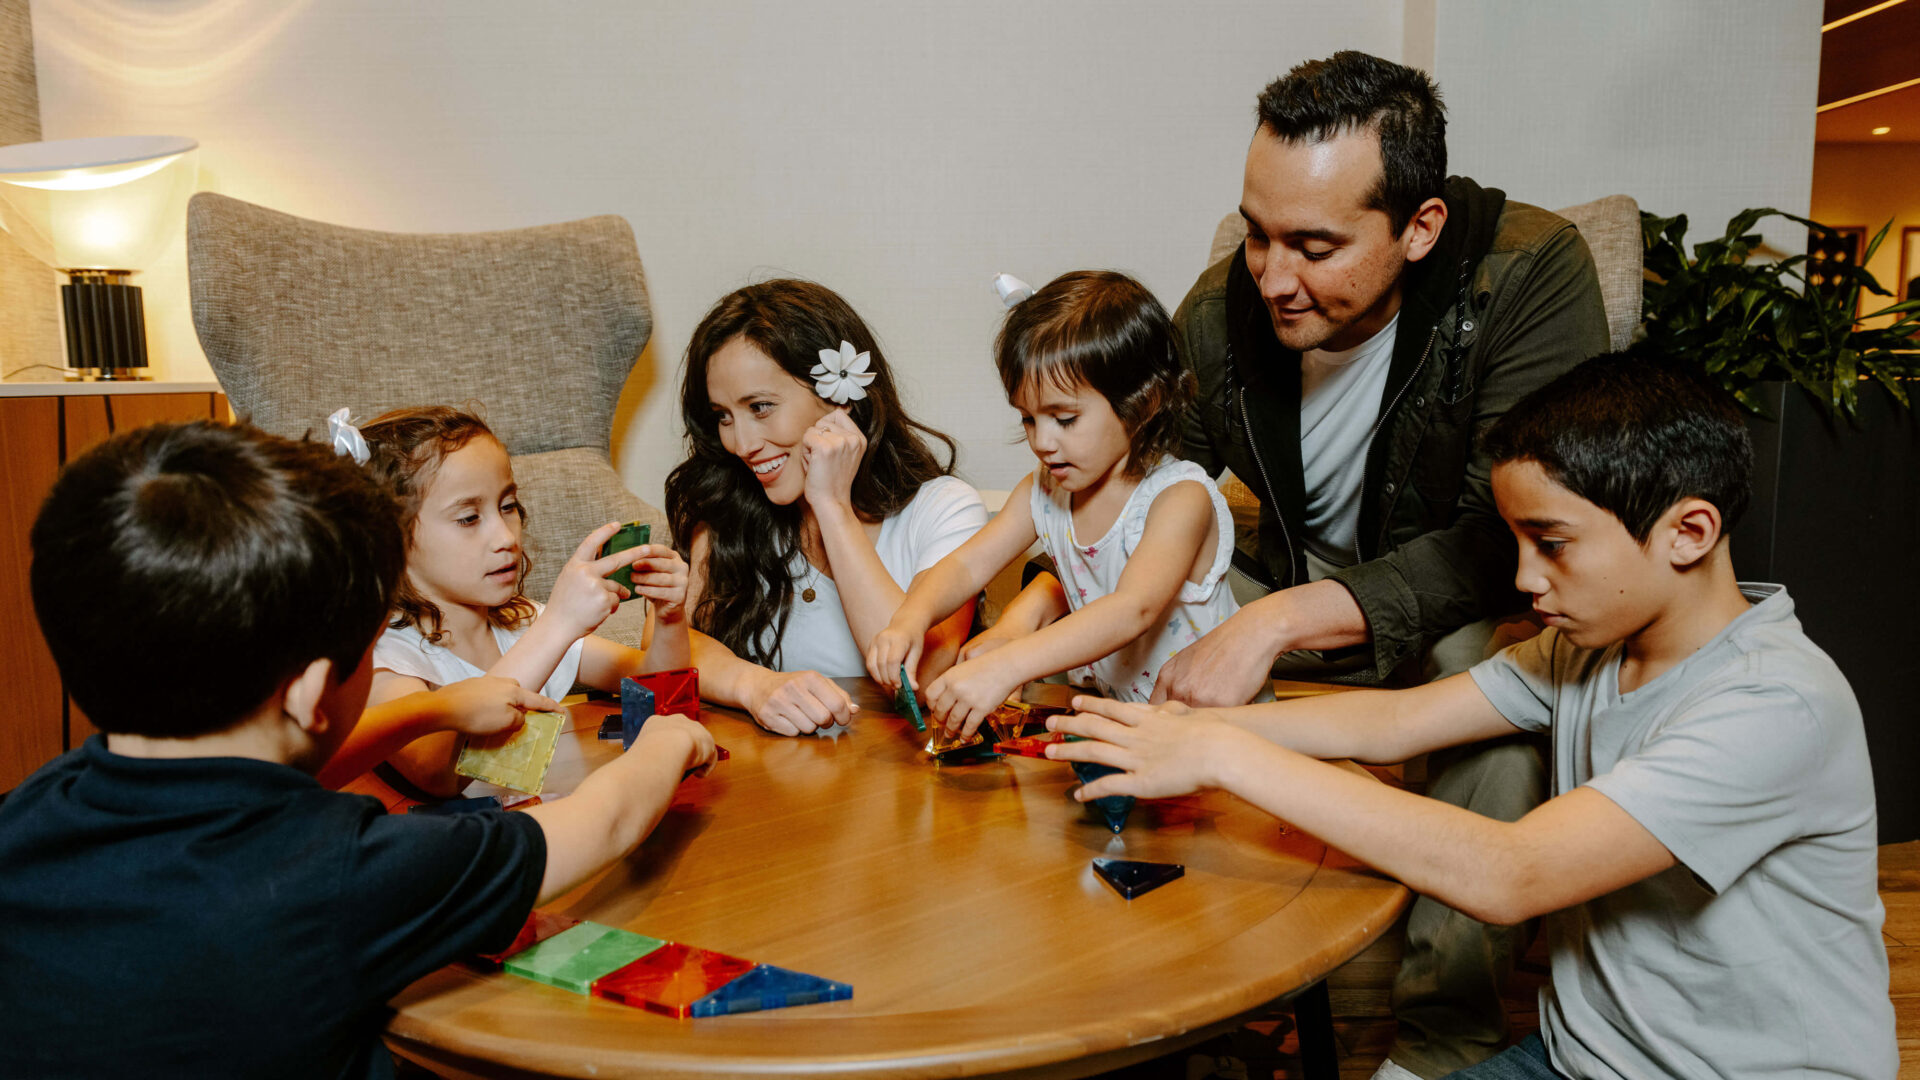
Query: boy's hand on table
[1162, 750]
[890, 648]
[663, 728]
[798, 702]
[968, 693]
[489, 704]
[660, 575]
[582, 597]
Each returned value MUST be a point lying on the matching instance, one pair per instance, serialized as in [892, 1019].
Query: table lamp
[98, 210]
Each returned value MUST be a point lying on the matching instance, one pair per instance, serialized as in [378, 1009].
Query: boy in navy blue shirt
[180, 897]
[1707, 861]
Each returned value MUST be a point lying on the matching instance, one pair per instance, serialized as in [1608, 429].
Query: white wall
[1704, 108]
[899, 152]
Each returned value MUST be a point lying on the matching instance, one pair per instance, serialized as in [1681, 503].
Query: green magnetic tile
[543, 958]
[615, 950]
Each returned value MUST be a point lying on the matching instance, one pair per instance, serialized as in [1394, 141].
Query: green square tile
[577, 958]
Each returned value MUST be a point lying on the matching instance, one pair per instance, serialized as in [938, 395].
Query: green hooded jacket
[1506, 300]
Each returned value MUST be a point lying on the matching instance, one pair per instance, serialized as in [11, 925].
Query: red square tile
[671, 978]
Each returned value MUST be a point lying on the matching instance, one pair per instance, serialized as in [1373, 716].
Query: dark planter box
[1836, 519]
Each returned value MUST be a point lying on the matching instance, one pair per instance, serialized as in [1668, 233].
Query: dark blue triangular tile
[769, 987]
[1131, 879]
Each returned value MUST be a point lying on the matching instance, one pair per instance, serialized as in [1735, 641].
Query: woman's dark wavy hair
[1103, 329]
[408, 446]
[750, 541]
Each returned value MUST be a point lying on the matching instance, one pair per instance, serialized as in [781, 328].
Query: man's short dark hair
[181, 571]
[1633, 433]
[1351, 91]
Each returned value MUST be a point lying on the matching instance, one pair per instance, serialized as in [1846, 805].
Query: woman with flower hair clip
[807, 506]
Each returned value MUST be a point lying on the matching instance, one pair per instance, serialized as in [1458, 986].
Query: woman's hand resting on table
[798, 702]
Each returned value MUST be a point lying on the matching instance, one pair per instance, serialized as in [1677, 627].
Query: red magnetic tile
[676, 691]
[1031, 745]
[671, 978]
[540, 926]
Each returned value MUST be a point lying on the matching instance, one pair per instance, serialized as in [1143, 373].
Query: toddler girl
[459, 611]
[1140, 540]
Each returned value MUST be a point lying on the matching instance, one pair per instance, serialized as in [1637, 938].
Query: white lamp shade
[97, 204]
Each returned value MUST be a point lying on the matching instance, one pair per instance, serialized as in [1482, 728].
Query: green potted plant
[1835, 515]
[1748, 323]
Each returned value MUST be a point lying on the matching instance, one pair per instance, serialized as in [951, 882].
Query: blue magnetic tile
[769, 987]
[636, 708]
[1114, 808]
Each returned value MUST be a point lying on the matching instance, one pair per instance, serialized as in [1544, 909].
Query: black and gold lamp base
[106, 326]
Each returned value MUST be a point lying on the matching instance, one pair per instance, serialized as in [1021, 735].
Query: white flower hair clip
[842, 376]
[1011, 289]
[346, 438]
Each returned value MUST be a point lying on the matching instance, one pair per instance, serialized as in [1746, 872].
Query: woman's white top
[943, 514]
[406, 651]
[1091, 570]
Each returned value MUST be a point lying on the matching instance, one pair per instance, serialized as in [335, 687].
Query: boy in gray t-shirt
[1708, 856]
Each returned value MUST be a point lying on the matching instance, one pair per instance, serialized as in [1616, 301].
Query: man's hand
[1163, 750]
[1228, 666]
[488, 705]
[798, 702]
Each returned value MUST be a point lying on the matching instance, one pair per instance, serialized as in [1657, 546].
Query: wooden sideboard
[43, 426]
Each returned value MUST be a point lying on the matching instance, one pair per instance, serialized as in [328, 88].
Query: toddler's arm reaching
[1178, 524]
[485, 705]
[951, 583]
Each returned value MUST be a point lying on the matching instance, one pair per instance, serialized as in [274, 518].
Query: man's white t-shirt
[1340, 396]
[943, 514]
[405, 651]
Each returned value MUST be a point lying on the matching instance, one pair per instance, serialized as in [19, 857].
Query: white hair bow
[346, 438]
[1011, 289]
[841, 375]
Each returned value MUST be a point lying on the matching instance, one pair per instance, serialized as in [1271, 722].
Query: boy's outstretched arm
[1572, 848]
[403, 710]
[619, 804]
[953, 581]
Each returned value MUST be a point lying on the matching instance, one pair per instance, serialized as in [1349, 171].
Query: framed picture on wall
[1828, 253]
[1907, 287]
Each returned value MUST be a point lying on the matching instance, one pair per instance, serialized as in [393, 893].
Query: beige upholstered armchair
[538, 327]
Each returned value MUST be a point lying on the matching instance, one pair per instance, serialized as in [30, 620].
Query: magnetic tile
[613, 728]
[676, 691]
[1034, 745]
[574, 958]
[636, 708]
[1113, 808]
[939, 742]
[458, 806]
[975, 754]
[1008, 722]
[517, 760]
[769, 987]
[1131, 879]
[671, 979]
[540, 926]
[907, 704]
[631, 535]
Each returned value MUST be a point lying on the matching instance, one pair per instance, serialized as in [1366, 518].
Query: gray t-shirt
[1760, 954]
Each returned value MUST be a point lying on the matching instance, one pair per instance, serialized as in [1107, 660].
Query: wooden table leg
[1313, 1020]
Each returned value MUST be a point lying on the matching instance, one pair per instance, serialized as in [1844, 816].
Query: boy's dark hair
[1106, 330]
[1633, 433]
[1351, 91]
[182, 571]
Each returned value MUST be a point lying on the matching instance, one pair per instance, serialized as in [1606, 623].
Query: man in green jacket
[1379, 317]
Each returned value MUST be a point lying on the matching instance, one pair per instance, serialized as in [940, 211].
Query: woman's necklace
[813, 548]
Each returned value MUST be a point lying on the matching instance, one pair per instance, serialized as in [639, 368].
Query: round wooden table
[959, 901]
